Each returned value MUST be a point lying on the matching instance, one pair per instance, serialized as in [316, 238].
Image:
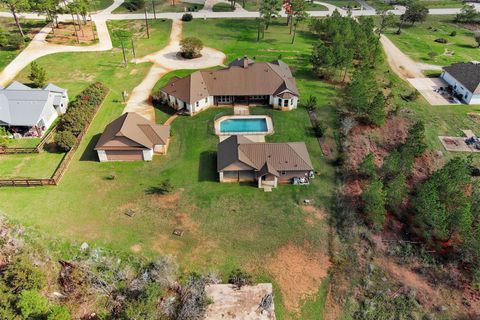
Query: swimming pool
[244, 125]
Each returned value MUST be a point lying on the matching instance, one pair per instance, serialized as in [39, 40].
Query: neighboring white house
[244, 82]
[22, 106]
[464, 78]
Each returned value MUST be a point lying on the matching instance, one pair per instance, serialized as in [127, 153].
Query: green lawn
[419, 40]
[344, 3]
[381, 4]
[222, 7]
[163, 6]
[30, 28]
[254, 5]
[102, 4]
[136, 30]
[227, 225]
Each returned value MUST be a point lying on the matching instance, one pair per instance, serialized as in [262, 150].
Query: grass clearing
[419, 40]
[30, 28]
[222, 7]
[163, 6]
[226, 225]
[254, 5]
[432, 4]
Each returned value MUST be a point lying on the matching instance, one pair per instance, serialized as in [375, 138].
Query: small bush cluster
[80, 112]
[11, 41]
[134, 5]
[187, 17]
[20, 293]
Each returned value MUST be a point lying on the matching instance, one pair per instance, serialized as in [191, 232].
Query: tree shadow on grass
[207, 166]
[89, 153]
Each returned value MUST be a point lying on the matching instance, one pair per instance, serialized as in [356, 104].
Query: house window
[206, 100]
[197, 103]
[285, 103]
[283, 173]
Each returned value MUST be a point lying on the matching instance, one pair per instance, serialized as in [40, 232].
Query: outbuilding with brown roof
[131, 137]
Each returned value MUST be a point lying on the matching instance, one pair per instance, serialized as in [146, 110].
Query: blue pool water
[244, 125]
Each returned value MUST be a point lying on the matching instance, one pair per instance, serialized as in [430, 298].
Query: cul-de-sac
[239, 159]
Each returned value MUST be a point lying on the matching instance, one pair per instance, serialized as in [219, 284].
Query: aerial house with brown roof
[242, 160]
[464, 78]
[131, 137]
[244, 82]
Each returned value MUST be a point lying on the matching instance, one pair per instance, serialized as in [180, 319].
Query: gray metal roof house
[22, 106]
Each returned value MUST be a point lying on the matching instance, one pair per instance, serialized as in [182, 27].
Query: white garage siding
[467, 95]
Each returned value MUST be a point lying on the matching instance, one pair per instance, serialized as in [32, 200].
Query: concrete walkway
[164, 61]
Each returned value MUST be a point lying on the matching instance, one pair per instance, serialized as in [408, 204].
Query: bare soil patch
[425, 293]
[65, 34]
[168, 201]
[136, 248]
[425, 165]
[299, 273]
[316, 214]
[377, 140]
[185, 222]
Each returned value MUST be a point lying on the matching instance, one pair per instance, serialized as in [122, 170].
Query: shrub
[134, 5]
[441, 40]
[80, 112]
[311, 103]
[240, 278]
[367, 168]
[187, 17]
[32, 304]
[165, 187]
[38, 75]
[453, 33]
[319, 128]
[193, 299]
[15, 41]
[65, 140]
[21, 275]
[4, 140]
[58, 312]
[191, 47]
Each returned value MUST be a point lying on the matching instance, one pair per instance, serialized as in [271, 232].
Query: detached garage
[131, 137]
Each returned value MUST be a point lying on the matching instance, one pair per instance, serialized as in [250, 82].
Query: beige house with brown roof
[131, 137]
[244, 82]
[240, 160]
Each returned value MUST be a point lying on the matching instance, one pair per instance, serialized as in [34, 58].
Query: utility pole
[154, 13]
[123, 51]
[146, 23]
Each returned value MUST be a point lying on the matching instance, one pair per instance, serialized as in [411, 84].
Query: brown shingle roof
[242, 77]
[467, 73]
[268, 157]
[132, 131]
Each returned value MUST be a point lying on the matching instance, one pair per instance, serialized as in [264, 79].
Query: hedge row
[79, 113]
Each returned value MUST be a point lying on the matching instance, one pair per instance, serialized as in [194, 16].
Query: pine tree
[38, 75]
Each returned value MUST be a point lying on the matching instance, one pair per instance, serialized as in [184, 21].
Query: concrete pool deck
[254, 135]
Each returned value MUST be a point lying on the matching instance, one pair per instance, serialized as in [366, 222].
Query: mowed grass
[419, 40]
[136, 30]
[432, 4]
[226, 225]
[30, 28]
[254, 5]
[74, 71]
[163, 6]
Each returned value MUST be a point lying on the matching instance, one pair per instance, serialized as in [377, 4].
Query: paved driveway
[427, 87]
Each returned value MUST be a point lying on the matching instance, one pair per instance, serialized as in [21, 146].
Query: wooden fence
[62, 167]
[37, 149]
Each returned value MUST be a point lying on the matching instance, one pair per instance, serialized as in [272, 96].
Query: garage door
[119, 155]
